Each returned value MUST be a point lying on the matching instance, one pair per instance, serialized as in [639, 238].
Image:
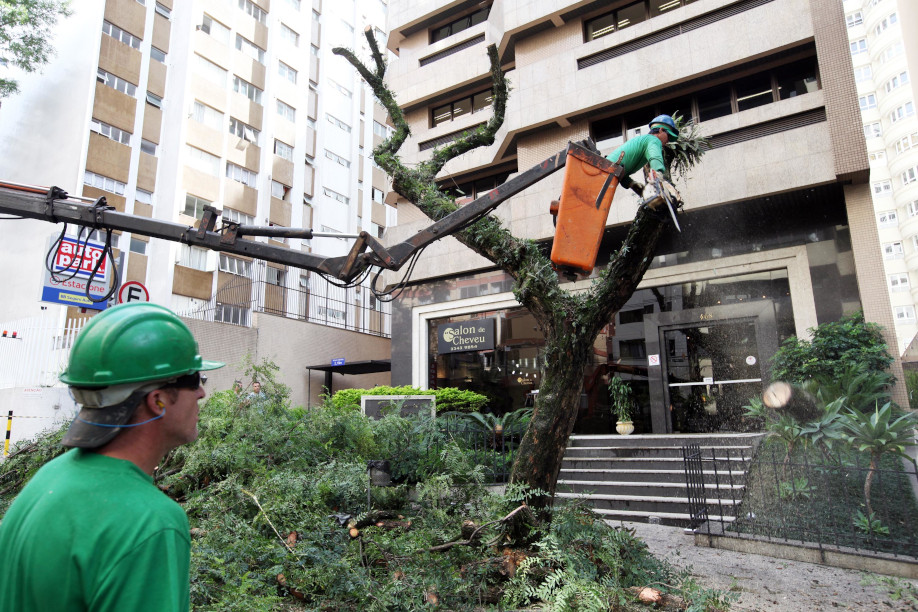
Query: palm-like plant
[620, 399]
[878, 433]
[682, 154]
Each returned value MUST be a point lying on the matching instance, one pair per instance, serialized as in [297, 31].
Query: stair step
[664, 485]
[645, 498]
[679, 519]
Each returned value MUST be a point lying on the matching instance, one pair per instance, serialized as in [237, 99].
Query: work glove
[638, 188]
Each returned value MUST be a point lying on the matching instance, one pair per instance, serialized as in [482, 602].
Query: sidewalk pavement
[766, 584]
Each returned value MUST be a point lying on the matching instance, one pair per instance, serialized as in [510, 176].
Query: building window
[912, 208]
[251, 49]
[154, 100]
[336, 196]
[158, 54]
[207, 115]
[294, 4]
[234, 265]
[163, 11]
[885, 24]
[898, 282]
[138, 246]
[290, 35]
[896, 81]
[893, 250]
[909, 176]
[286, 111]
[882, 188]
[457, 25]
[254, 10]
[110, 131]
[279, 190]
[904, 144]
[337, 158]
[103, 182]
[378, 196]
[380, 130]
[894, 50]
[274, 276]
[867, 102]
[241, 175]
[210, 70]
[887, 218]
[117, 83]
[873, 130]
[282, 149]
[877, 156]
[854, 19]
[194, 206]
[858, 46]
[247, 89]
[192, 257]
[286, 72]
[464, 106]
[234, 315]
[234, 216]
[476, 188]
[904, 314]
[863, 73]
[120, 35]
[203, 161]
[906, 110]
[338, 123]
[143, 196]
[215, 29]
[243, 130]
[341, 88]
[147, 147]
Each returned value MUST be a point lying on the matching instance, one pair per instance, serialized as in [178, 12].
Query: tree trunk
[868, 483]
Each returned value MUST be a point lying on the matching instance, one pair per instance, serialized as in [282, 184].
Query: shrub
[448, 398]
[834, 348]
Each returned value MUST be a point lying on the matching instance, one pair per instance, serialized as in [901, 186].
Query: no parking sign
[132, 291]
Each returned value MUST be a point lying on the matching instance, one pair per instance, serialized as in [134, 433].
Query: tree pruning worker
[91, 531]
[646, 149]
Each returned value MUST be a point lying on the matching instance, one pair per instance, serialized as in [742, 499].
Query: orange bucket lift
[580, 216]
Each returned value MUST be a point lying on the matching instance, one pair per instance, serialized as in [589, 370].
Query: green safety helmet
[133, 343]
[665, 122]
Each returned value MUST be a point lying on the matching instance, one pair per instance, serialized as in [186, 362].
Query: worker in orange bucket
[645, 149]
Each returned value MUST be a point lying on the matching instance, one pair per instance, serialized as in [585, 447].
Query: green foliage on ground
[448, 398]
[834, 348]
[269, 491]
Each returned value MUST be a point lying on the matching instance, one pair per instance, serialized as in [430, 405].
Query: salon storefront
[694, 341]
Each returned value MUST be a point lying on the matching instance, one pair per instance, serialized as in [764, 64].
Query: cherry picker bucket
[589, 186]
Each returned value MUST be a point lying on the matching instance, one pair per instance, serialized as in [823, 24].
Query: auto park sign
[72, 263]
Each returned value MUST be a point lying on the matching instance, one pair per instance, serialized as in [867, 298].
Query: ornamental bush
[448, 398]
[835, 347]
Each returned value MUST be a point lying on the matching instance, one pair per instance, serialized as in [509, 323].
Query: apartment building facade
[778, 232]
[166, 107]
[883, 40]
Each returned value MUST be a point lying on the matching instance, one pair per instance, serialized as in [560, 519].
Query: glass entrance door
[712, 370]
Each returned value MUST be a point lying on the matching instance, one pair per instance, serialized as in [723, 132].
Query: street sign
[73, 263]
[338, 361]
[132, 291]
[653, 360]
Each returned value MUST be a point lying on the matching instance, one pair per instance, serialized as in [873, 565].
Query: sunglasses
[188, 381]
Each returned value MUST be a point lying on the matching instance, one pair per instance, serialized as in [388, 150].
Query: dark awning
[356, 367]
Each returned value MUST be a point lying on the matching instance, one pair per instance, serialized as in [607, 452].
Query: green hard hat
[130, 343]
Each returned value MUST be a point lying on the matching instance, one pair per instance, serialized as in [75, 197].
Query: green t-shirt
[641, 150]
[90, 532]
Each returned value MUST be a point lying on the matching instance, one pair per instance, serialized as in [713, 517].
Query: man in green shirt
[90, 531]
[646, 149]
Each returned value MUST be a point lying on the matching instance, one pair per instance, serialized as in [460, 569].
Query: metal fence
[35, 350]
[493, 450]
[306, 296]
[809, 498]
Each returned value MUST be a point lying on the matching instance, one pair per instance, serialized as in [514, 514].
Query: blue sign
[338, 362]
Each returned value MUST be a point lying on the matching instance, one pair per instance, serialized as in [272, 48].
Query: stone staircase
[642, 477]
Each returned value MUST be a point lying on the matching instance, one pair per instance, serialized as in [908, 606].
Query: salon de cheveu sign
[477, 335]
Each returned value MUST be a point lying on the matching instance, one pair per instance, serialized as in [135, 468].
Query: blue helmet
[665, 122]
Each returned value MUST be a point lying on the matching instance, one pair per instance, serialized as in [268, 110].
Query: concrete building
[883, 40]
[779, 231]
[163, 107]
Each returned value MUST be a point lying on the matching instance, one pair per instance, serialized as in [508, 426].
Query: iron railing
[809, 498]
[493, 450]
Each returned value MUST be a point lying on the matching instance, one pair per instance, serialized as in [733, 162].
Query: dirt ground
[769, 584]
